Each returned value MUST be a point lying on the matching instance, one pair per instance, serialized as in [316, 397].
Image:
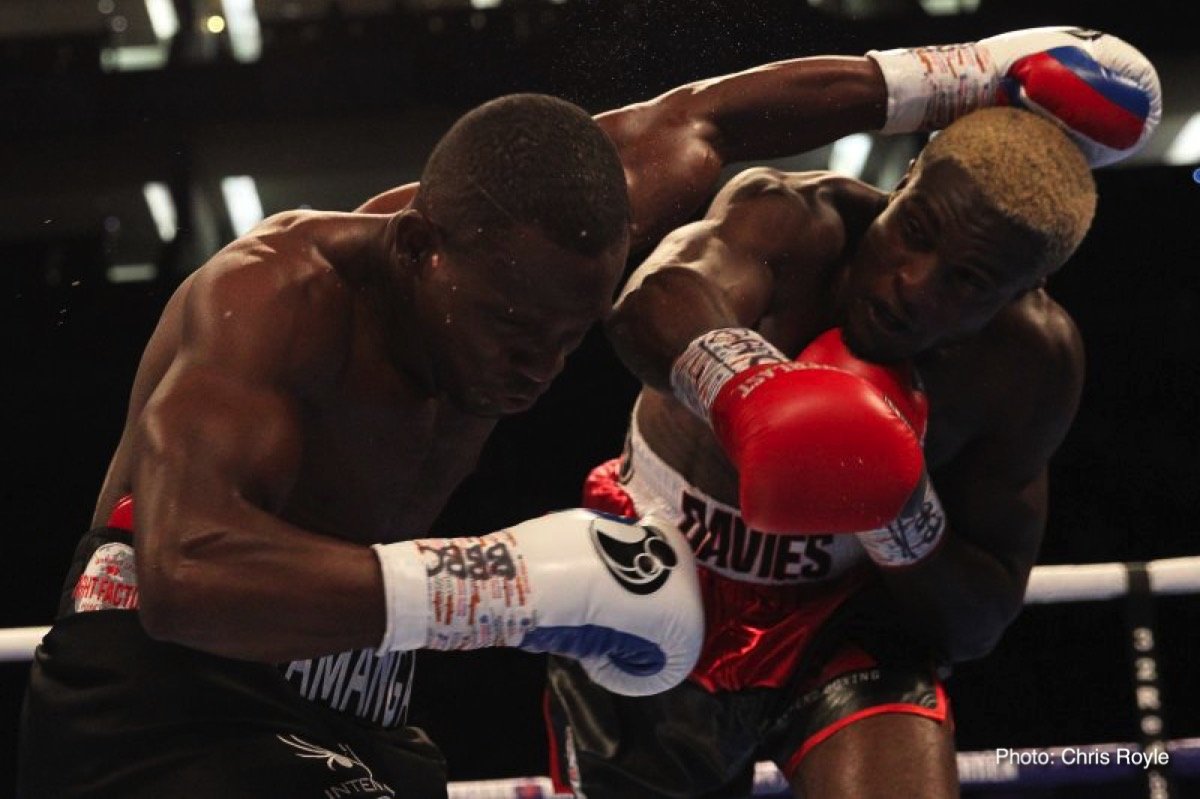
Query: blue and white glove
[620, 597]
[1099, 89]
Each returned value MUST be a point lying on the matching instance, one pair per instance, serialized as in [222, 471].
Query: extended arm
[674, 146]
[390, 201]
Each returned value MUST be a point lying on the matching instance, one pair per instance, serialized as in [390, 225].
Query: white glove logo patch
[638, 556]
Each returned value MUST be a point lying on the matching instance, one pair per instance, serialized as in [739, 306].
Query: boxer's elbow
[975, 636]
[173, 593]
[161, 603]
[971, 644]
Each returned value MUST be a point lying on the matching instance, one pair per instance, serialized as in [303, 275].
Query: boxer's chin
[866, 341]
[489, 405]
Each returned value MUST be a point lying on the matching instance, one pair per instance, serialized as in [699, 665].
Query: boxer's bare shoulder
[1019, 379]
[277, 294]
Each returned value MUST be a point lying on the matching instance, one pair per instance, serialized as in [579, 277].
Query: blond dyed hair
[1028, 170]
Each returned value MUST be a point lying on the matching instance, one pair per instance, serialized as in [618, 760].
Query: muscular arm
[965, 595]
[674, 146]
[218, 448]
[390, 201]
[720, 271]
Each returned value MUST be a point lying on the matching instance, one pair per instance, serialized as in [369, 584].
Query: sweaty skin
[928, 277]
[285, 413]
[292, 405]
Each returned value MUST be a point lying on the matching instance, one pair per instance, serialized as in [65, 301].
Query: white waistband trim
[717, 532]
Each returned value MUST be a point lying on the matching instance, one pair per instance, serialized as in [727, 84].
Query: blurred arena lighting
[868, 9]
[163, 18]
[485, 3]
[162, 209]
[242, 202]
[134, 58]
[139, 34]
[1185, 148]
[245, 33]
[883, 9]
[849, 154]
[944, 8]
[132, 273]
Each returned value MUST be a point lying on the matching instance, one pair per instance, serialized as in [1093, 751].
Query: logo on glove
[638, 556]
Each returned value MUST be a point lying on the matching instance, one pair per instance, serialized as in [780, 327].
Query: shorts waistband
[653, 485]
[722, 541]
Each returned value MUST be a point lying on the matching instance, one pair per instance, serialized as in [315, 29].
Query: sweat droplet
[227, 314]
[447, 318]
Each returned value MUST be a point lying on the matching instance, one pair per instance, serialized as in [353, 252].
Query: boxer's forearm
[674, 146]
[252, 587]
[961, 599]
[786, 107]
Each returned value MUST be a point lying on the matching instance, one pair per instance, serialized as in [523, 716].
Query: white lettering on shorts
[723, 543]
[362, 683]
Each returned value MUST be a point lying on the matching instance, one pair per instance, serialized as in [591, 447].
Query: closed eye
[971, 278]
[916, 235]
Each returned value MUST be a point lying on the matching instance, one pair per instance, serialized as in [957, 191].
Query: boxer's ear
[416, 236]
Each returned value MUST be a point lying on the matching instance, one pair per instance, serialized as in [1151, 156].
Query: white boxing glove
[1099, 89]
[620, 597]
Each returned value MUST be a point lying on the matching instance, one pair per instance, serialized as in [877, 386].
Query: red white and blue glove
[1102, 91]
[620, 597]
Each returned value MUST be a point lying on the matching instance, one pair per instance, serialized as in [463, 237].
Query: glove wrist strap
[454, 593]
[915, 534]
[930, 87]
[712, 359]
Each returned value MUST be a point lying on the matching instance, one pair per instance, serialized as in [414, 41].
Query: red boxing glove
[897, 382]
[818, 449]
[919, 528]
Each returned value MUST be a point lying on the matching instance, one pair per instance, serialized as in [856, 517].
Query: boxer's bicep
[670, 161]
[996, 492]
[208, 438]
[998, 513]
[675, 145]
[218, 445]
[718, 272]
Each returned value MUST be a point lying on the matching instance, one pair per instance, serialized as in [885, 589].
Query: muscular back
[270, 315]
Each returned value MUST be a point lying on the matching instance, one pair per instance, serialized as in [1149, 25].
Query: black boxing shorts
[111, 712]
[690, 742]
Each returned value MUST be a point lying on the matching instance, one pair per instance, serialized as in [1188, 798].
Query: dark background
[343, 104]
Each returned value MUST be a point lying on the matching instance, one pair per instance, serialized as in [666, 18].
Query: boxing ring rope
[1151, 758]
[1047, 584]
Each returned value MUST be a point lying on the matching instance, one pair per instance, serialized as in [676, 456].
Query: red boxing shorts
[791, 655]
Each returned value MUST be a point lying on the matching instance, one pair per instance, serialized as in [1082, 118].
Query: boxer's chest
[380, 461]
[962, 394]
